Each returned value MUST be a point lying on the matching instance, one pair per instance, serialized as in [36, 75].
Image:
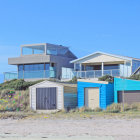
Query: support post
[74, 67]
[102, 69]
[80, 70]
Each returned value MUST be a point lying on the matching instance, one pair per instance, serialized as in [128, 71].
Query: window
[51, 51]
[34, 67]
[77, 67]
[88, 68]
[56, 50]
[29, 50]
[47, 66]
[111, 67]
[20, 68]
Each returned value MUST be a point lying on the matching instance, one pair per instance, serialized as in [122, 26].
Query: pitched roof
[99, 52]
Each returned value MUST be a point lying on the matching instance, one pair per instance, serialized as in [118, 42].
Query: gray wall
[61, 62]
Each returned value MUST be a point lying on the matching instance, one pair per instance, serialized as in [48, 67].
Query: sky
[85, 26]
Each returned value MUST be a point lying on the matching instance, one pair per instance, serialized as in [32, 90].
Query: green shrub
[74, 80]
[107, 78]
[135, 77]
[19, 84]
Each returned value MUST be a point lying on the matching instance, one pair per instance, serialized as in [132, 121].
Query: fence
[68, 73]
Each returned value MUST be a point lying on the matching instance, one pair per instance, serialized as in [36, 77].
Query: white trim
[98, 52]
[60, 84]
[102, 68]
[92, 81]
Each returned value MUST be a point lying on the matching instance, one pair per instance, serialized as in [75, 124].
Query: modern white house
[99, 64]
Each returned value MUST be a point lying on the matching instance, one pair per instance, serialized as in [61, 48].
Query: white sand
[70, 129]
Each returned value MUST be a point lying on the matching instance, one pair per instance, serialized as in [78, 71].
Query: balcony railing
[10, 76]
[37, 74]
[91, 74]
[29, 75]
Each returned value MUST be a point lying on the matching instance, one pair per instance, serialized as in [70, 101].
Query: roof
[58, 83]
[93, 81]
[99, 52]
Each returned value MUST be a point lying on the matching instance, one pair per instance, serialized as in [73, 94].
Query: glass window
[111, 67]
[34, 67]
[77, 67]
[56, 50]
[20, 71]
[47, 66]
[51, 51]
[26, 51]
[88, 68]
[29, 50]
[20, 68]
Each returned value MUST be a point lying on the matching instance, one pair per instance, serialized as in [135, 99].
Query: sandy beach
[59, 129]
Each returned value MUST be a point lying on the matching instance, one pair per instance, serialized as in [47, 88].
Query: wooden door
[46, 98]
[92, 98]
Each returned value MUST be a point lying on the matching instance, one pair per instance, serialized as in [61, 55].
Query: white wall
[125, 70]
[60, 94]
[67, 73]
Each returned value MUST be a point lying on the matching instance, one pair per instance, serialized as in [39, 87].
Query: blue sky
[85, 26]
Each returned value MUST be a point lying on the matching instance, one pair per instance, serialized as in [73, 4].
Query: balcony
[43, 74]
[69, 74]
[10, 76]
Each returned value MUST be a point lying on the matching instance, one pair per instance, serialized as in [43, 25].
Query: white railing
[91, 74]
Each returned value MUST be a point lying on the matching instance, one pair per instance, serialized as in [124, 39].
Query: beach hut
[130, 88]
[49, 95]
[95, 94]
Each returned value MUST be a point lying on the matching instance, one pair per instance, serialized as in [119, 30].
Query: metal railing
[10, 76]
[91, 74]
[38, 74]
[29, 75]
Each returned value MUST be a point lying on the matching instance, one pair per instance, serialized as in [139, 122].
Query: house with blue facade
[99, 64]
[40, 61]
[126, 90]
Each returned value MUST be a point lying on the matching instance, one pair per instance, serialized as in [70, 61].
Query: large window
[56, 50]
[36, 71]
[34, 67]
[111, 67]
[29, 50]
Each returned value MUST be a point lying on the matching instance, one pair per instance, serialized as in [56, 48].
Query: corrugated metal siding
[109, 94]
[106, 93]
[124, 84]
[70, 100]
[102, 96]
[60, 96]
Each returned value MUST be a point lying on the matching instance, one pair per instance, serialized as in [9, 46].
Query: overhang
[30, 59]
[99, 57]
